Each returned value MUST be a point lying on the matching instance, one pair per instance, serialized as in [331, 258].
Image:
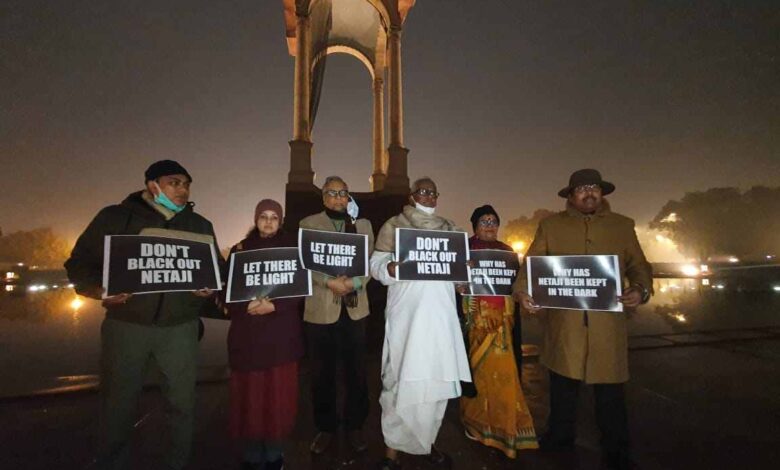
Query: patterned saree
[498, 416]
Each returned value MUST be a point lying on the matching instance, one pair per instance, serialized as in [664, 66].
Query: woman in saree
[498, 415]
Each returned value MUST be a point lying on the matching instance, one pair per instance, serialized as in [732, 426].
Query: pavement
[708, 405]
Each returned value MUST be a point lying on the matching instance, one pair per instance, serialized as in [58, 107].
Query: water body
[47, 341]
[50, 339]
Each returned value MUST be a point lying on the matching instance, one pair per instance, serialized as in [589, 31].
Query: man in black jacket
[139, 327]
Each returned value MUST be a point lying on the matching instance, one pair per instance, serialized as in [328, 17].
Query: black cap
[480, 211]
[585, 177]
[165, 168]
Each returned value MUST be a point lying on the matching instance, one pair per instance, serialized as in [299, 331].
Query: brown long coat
[587, 345]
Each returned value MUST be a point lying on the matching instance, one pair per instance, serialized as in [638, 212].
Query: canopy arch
[370, 31]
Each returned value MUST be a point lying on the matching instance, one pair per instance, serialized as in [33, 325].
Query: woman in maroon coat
[264, 345]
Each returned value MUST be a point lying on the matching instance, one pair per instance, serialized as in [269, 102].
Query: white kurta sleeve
[379, 261]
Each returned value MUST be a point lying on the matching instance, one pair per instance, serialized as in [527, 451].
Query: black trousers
[343, 342]
[611, 415]
[517, 342]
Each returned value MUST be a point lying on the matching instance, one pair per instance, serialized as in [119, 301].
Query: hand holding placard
[632, 297]
[203, 293]
[116, 299]
[527, 302]
[391, 268]
[261, 306]
[339, 286]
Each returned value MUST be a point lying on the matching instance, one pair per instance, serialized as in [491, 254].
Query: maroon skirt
[264, 403]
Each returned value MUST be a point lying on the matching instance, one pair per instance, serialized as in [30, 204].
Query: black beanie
[479, 212]
[165, 168]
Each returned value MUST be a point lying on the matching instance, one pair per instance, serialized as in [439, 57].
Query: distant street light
[689, 270]
[680, 317]
[518, 246]
[76, 303]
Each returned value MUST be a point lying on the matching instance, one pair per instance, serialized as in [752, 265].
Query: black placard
[575, 282]
[268, 272]
[431, 255]
[493, 272]
[141, 264]
[334, 253]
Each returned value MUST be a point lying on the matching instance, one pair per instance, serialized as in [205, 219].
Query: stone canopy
[355, 27]
[369, 30]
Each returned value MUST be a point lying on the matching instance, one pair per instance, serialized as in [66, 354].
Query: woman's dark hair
[253, 232]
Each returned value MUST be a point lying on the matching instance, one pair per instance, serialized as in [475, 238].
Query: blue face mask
[352, 208]
[164, 201]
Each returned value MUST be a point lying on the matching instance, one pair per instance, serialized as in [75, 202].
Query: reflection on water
[681, 305]
[37, 306]
[50, 338]
[694, 304]
[700, 304]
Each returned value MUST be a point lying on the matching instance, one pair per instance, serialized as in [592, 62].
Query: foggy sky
[502, 101]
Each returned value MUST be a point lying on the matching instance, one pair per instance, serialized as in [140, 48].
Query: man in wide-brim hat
[588, 346]
[586, 177]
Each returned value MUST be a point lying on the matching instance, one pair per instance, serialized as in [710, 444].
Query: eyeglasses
[587, 188]
[428, 193]
[334, 193]
[488, 223]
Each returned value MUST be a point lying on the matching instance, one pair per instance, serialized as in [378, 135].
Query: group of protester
[435, 348]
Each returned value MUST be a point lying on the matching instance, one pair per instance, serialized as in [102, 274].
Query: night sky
[503, 100]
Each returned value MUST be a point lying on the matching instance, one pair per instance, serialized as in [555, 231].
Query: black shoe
[547, 443]
[275, 465]
[439, 458]
[389, 464]
[356, 440]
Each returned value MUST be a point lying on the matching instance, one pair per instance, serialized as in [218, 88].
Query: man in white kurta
[424, 357]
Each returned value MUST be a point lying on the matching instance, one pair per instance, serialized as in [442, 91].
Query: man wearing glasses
[335, 320]
[423, 358]
[588, 346]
